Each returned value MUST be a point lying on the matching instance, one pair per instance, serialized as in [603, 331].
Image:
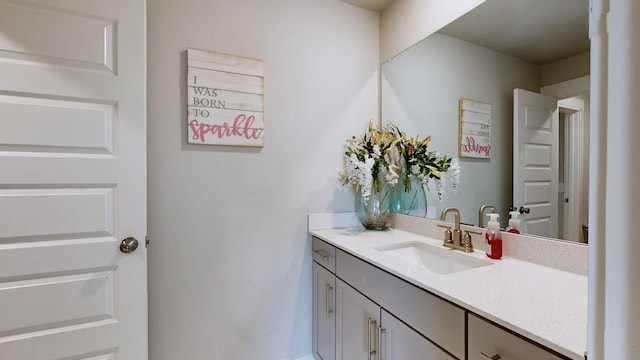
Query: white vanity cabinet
[366, 331]
[537, 314]
[487, 341]
[362, 312]
[438, 321]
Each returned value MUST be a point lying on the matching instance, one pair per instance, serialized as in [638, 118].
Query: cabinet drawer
[491, 340]
[400, 342]
[324, 254]
[440, 321]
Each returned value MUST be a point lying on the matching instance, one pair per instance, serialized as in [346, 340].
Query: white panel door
[72, 179]
[535, 162]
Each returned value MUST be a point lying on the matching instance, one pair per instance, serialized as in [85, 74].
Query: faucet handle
[467, 243]
[448, 238]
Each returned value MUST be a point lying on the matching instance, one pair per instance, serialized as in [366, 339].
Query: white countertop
[542, 303]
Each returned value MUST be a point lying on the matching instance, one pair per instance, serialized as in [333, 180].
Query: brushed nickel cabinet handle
[327, 297]
[323, 254]
[370, 323]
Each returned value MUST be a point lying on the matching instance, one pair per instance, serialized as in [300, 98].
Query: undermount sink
[436, 259]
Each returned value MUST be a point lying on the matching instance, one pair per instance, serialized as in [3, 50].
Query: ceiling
[537, 31]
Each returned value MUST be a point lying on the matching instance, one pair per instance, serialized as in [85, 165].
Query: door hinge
[146, 241]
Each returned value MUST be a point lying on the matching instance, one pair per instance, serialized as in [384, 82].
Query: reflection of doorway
[578, 88]
[572, 164]
[550, 163]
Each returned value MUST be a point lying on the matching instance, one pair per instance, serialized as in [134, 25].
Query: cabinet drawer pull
[323, 254]
[494, 357]
[370, 323]
[327, 299]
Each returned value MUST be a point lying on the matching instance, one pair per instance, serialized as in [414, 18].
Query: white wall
[573, 67]
[619, 292]
[421, 89]
[229, 260]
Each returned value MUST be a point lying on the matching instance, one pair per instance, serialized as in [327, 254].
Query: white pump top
[493, 222]
[514, 222]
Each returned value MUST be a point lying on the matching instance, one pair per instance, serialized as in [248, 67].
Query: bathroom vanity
[395, 295]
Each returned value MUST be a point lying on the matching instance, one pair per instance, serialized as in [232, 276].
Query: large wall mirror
[536, 46]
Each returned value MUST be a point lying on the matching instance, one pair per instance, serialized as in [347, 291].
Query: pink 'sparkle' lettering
[242, 126]
[471, 147]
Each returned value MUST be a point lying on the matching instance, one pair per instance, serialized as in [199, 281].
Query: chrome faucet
[481, 213]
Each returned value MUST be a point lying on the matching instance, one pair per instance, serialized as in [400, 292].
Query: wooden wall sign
[225, 99]
[474, 139]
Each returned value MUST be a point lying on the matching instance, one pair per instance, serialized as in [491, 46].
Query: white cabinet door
[324, 315]
[357, 320]
[489, 341]
[72, 179]
[400, 342]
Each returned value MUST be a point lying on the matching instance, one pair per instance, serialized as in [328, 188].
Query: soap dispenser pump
[514, 222]
[493, 246]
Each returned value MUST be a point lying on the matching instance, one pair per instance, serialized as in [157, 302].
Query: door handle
[524, 210]
[129, 245]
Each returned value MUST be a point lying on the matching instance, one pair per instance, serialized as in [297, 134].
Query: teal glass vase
[409, 198]
[375, 212]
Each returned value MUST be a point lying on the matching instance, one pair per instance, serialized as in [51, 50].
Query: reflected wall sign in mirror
[539, 46]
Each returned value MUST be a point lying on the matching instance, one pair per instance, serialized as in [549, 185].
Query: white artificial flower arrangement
[390, 153]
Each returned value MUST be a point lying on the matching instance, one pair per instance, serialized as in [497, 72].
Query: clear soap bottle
[493, 245]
